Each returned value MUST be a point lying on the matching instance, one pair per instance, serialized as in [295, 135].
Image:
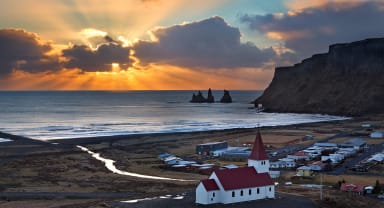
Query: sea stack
[199, 98]
[210, 98]
[226, 97]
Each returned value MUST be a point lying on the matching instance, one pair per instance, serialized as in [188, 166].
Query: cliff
[348, 80]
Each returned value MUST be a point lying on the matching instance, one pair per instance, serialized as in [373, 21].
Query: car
[381, 196]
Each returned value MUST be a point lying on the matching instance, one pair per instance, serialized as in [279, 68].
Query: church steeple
[258, 157]
[258, 150]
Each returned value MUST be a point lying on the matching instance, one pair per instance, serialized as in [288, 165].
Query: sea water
[48, 115]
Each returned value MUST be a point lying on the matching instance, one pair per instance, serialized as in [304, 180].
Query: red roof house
[349, 187]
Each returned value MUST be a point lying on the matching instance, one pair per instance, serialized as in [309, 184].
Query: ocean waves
[59, 115]
[169, 126]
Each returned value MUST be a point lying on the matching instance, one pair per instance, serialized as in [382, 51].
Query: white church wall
[201, 194]
[246, 194]
[261, 166]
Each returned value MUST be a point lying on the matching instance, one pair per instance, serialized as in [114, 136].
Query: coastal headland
[35, 172]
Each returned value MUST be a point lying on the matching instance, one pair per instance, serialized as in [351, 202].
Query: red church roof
[210, 184]
[258, 150]
[245, 177]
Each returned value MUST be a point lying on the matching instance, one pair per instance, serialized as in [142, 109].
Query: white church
[239, 184]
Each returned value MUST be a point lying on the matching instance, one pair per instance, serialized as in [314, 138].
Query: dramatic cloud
[210, 43]
[101, 59]
[312, 30]
[25, 51]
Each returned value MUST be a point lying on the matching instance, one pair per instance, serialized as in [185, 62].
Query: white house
[239, 184]
[377, 134]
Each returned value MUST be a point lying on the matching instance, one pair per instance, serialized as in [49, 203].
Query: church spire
[258, 150]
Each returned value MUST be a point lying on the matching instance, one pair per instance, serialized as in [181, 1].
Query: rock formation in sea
[348, 80]
[199, 98]
[226, 97]
[210, 98]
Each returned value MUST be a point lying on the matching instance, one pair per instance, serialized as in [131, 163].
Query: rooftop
[210, 184]
[212, 143]
[244, 177]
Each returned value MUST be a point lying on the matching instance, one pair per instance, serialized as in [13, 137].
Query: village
[333, 163]
[360, 152]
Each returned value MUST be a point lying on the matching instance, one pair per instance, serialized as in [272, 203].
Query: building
[304, 171]
[208, 148]
[355, 143]
[326, 145]
[239, 184]
[319, 166]
[355, 188]
[283, 163]
[377, 134]
[299, 156]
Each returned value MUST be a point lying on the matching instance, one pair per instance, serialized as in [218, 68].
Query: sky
[170, 44]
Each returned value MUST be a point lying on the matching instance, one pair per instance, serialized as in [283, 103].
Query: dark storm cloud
[210, 43]
[314, 29]
[81, 56]
[24, 51]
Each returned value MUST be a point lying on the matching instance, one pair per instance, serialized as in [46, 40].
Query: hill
[348, 80]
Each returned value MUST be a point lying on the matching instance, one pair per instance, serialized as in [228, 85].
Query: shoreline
[112, 138]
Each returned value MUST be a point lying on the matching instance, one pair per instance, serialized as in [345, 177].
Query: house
[349, 187]
[379, 157]
[164, 155]
[318, 166]
[299, 156]
[172, 160]
[208, 148]
[347, 152]
[239, 184]
[289, 163]
[325, 146]
[355, 143]
[283, 163]
[277, 164]
[336, 158]
[377, 134]
[304, 171]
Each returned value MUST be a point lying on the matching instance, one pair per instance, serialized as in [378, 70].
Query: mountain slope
[348, 80]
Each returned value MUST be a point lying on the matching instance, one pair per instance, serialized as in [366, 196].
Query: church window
[241, 193]
[233, 194]
[213, 194]
[270, 189]
[258, 190]
[250, 191]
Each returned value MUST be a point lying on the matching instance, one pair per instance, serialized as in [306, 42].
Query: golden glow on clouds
[75, 22]
[301, 4]
[156, 78]
[298, 5]
[115, 67]
[287, 35]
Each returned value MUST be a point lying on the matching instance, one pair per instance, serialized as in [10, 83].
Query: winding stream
[109, 164]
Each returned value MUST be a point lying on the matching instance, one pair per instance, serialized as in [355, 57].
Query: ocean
[48, 115]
